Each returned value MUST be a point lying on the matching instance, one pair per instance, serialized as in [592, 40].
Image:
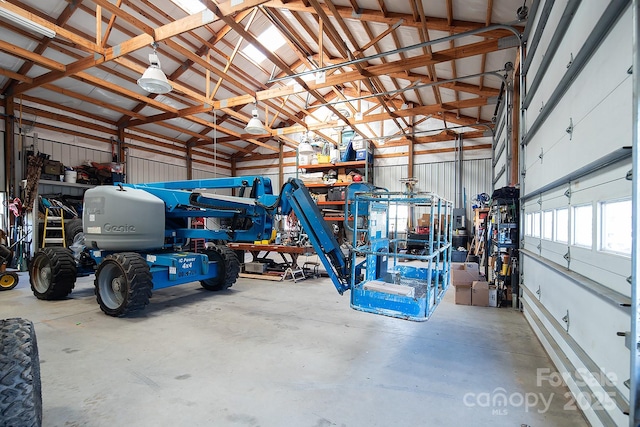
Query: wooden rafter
[139, 22]
[390, 18]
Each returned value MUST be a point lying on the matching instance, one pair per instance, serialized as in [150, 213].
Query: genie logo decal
[126, 228]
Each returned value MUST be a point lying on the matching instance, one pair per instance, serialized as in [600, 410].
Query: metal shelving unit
[502, 244]
[365, 165]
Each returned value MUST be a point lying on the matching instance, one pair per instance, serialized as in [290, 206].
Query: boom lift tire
[20, 386]
[228, 266]
[72, 230]
[53, 273]
[123, 283]
[8, 280]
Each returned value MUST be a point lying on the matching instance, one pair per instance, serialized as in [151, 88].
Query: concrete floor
[284, 354]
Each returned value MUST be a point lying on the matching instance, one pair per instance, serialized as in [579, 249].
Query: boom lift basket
[401, 252]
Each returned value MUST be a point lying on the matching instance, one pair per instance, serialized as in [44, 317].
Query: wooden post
[9, 144]
[234, 165]
[121, 136]
[410, 153]
[280, 163]
[189, 161]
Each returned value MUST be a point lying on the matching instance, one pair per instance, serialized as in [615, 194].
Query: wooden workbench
[255, 250]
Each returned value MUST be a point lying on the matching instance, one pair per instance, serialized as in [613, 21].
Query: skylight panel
[270, 39]
[190, 6]
[254, 53]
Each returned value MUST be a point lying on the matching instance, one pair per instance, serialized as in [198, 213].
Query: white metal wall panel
[209, 172]
[138, 170]
[389, 177]
[440, 178]
[141, 170]
[580, 287]
[69, 155]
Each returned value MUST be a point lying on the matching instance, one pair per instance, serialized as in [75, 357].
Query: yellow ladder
[54, 221]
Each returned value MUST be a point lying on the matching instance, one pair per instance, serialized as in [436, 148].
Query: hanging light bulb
[255, 126]
[154, 80]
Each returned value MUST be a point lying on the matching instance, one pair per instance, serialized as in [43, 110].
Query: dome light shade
[255, 126]
[305, 148]
[154, 80]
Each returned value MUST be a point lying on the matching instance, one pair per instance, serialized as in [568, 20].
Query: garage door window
[582, 231]
[536, 224]
[562, 225]
[615, 227]
[528, 224]
[547, 225]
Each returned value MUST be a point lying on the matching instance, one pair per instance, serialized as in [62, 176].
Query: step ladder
[53, 223]
[293, 273]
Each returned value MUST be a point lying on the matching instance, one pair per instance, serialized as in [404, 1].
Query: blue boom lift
[135, 235]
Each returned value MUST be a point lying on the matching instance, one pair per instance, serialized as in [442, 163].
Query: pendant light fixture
[154, 80]
[255, 126]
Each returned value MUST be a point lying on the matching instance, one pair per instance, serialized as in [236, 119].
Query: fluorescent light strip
[26, 23]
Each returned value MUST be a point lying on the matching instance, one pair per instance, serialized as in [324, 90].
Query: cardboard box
[493, 296]
[509, 293]
[480, 293]
[322, 198]
[464, 273]
[344, 177]
[425, 221]
[463, 295]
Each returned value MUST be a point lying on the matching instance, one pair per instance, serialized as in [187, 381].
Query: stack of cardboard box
[471, 288]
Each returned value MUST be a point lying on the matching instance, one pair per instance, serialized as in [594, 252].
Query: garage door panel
[554, 252]
[594, 331]
[601, 386]
[614, 50]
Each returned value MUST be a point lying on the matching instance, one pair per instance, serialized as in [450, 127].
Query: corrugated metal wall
[440, 178]
[140, 169]
[147, 170]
